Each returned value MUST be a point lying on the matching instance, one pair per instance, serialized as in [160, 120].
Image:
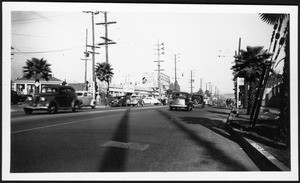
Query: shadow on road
[213, 151]
[219, 112]
[114, 158]
[216, 126]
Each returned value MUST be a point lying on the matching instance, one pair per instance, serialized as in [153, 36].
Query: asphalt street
[127, 139]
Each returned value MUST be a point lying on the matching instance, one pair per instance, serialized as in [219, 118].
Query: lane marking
[126, 145]
[61, 124]
[71, 122]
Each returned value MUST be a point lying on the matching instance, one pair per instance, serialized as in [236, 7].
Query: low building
[27, 86]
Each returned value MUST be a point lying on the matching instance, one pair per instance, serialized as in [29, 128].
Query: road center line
[48, 126]
[67, 123]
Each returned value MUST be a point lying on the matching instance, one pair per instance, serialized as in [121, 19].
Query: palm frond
[272, 18]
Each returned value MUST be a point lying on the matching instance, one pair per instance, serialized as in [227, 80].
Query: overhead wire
[51, 51]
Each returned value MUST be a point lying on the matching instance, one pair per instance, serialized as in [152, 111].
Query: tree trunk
[249, 98]
[254, 90]
[259, 89]
[257, 111]
[107, 94]
[246, 94]
[285, 95]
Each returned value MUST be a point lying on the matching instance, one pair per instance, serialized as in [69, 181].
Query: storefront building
[25, 86]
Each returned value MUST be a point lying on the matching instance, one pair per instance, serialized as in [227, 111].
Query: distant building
[78, 86]
[27, 86]
[145, 84]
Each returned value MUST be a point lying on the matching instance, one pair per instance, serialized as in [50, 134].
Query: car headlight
[42, 99]
[29, 98]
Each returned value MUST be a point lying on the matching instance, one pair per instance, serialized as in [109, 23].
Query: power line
[46, 37]
[38, 52]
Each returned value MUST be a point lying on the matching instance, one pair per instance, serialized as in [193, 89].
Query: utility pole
[159, 48]
[93, 51]
[175, 83]
[192, 80]
[86, 54]
[201, 81]
[106, 40]
[237, 84]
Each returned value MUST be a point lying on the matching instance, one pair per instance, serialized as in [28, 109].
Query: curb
[262, 159]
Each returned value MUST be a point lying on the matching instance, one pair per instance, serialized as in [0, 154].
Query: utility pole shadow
[213, 151]
[114, 158]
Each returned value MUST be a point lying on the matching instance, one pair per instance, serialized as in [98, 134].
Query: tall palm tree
[249, 65]
[104, 72]
[37, 69]
[277, 21]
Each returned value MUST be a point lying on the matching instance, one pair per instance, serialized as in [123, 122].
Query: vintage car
[198, 100]
[151, 101]
[14, 97]
[86, 99]
[51, 99]
[118, 101]
[134, 100]
[181, 100]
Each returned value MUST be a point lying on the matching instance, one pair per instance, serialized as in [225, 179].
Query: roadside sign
[37, 84]
[241, 81]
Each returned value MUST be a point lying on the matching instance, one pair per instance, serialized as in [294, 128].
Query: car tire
[188, 108]
[52, 108]
[94, 105]
[75, 107]
[171, 108]
[27, 111]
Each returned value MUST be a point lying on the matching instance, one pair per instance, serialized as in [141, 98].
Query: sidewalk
[262, 143]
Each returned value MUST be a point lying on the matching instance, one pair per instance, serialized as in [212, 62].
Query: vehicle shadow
[219, 112]
[44, 112]
[213, 150]
[114, 158]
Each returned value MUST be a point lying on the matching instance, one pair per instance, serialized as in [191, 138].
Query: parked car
[134, 100]
[151, 101]
[118, 101]
[181, 100]
[14, 97]
[197, 100]
[86, 99]
[52, 98]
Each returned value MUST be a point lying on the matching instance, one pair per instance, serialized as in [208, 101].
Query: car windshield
[180, 95]
[197, 96]
[49, 90]
[79, 94]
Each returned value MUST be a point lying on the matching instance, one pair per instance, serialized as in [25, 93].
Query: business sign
[241, 81]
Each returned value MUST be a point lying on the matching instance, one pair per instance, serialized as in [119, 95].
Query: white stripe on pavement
[71, 122]
[90, 112]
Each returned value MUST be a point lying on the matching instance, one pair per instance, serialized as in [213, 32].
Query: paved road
[133, 139]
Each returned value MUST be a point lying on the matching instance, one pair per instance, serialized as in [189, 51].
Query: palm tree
[277, 21]
[104, 72]
[249, 65]
[37, 68]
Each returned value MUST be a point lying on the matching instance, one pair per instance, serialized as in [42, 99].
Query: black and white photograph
[137, 91]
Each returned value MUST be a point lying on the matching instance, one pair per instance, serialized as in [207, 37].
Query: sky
[206, 41]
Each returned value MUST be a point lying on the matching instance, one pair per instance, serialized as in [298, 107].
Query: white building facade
[145, 84]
